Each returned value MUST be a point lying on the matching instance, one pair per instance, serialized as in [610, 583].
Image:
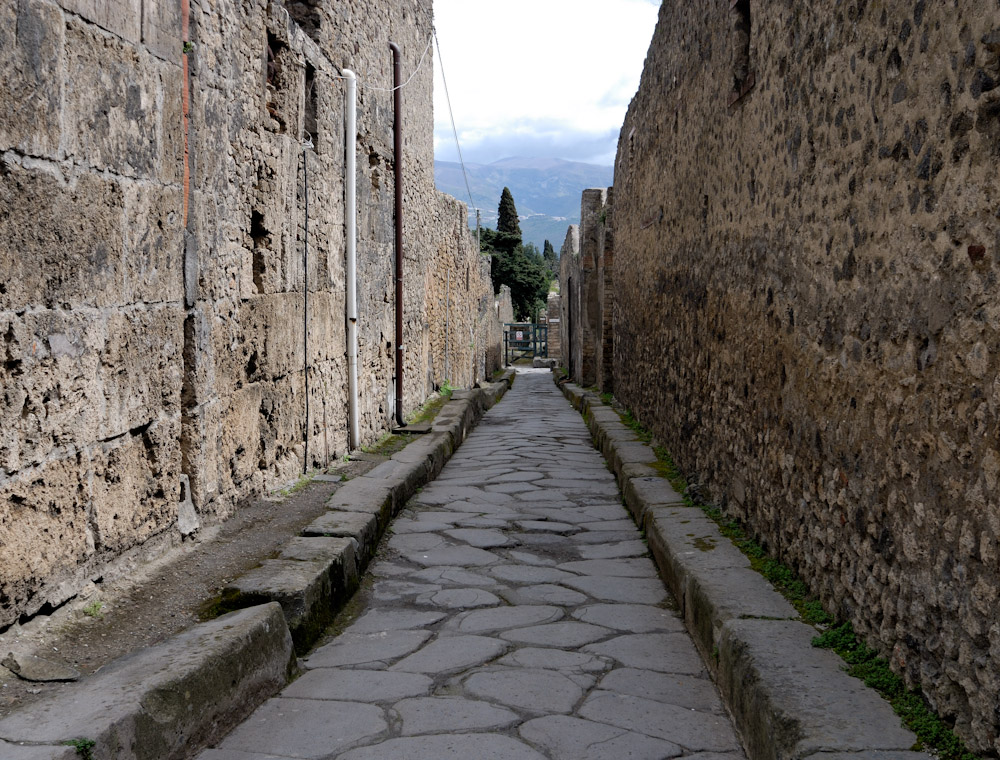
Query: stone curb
[162, 701]
[317, 573]
[788, 699]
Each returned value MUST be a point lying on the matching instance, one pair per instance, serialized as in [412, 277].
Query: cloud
[538, 77]
[538, 138]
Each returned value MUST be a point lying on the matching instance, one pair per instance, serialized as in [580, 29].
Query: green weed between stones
[863, 662]
[431, 408]
[84, 747]
[298, 485]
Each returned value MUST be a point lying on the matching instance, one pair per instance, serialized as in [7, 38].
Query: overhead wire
[419, 64]
[451, 114]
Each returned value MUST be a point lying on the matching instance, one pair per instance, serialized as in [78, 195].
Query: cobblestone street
[513, 615]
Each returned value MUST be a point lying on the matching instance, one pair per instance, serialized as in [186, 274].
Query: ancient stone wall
[807, 220]
[586, 283]
[604, 332]
[461, 318]
[493, 327]
[553, 312]
[155, 260]
[569, 299]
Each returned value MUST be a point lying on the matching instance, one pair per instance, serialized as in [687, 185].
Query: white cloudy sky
[538, 78]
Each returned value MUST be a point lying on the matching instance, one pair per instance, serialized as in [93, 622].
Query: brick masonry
[151, 265]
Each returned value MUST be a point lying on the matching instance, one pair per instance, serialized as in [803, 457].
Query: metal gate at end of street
[524, 340]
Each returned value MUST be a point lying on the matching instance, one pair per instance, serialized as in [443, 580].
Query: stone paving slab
[367, 649]
[448, 747]
[451, 715]
[516, 597]
[568, 738]
[359, 685]
[277, 727]
[29, 752]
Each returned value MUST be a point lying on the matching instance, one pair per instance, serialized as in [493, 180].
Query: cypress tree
[549, 254]
[507, 215]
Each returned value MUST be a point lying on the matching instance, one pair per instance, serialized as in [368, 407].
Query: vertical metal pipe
[351, 233]
[397, 146]
[305, 301]
[447, 322]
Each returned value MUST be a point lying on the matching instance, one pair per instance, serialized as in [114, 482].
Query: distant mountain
[546, 191]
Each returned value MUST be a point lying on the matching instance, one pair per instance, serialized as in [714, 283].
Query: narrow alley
[513, 614]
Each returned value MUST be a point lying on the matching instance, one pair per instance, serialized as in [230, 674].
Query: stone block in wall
[212, 168]
[569, 288]
[327, 331]
[201, 427]
[31, 81]
[43, 532]
[120, 17]
[257, 435]
[141, 368]
[62, 238]
[554, 317]
[154, 244]
[261, 340]
[136, 485]
[589, 309]
[161, 28]
[237, 441]
[76, 377]
[50, 398]
[220, 41]
[171, 107]
[282, 420]
[112, 103]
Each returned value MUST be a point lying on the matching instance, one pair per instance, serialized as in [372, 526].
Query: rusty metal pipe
[397, 146]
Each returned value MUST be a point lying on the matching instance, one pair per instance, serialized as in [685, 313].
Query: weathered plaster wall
[153, 316]
[811, 321]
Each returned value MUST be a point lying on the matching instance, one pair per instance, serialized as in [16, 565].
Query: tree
[514, 264]
[507, 215]
[550, 256]
[528, 281]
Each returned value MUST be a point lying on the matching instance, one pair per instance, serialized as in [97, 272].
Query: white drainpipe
[351, 216]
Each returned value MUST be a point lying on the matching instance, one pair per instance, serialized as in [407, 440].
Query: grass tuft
[84, 747]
